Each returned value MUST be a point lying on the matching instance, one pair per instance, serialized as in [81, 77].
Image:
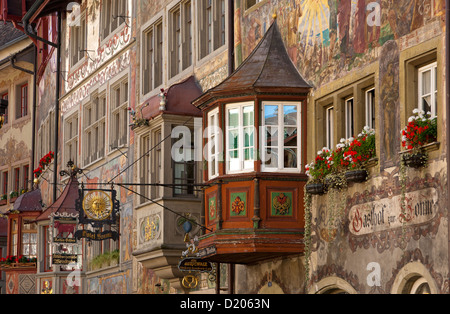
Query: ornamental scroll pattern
[102, 54]
[113, 69]
[424, 204]
[390, 234]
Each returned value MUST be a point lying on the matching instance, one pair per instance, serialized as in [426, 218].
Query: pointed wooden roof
[268, 69]
[65, 204]
[29, 201]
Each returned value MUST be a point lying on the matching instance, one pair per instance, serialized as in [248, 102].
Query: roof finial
[274, 15]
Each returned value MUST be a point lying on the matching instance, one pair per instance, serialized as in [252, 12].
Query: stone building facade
[129, 74]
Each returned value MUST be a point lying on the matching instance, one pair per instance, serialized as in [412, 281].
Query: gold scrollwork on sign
[189, 281]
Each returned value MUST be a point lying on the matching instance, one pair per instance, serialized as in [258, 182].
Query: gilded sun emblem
[97, 205]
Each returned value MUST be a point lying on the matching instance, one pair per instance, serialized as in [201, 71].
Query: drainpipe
[25, 21]
[33, 121]
[230, 36]
[447, 128]
[13, 64]
[58, 83]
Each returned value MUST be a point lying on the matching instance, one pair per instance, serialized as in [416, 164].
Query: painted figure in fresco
[411, 15]
[373, 32]
[344, 14]
[293, 19]
[359, 39]
[389, 77]
[332, 5]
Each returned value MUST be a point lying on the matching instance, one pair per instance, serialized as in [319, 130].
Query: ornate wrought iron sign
[194, 264]
[64, 259]
[64, 230]
[98, 208]
[188, 263]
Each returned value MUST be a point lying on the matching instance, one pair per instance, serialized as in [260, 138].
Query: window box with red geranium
[43, 163]
[12, 261]
[419, 133]
[360, 152]
[317, 171]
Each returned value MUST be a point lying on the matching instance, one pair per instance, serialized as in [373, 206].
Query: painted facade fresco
[364, 224]
[328, 38]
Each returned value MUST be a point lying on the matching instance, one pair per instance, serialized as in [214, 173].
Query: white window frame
[94, 149]
[109, 24]
[214, 140]
[212, 26]
[280, 146]
[349, 108]
[78, 41]
[433, 87]
[121, 110]
[153, 59]
[329, 127]
[243, 165]
[71, 138]
[370, 107]
[144, 167]
[180, 41]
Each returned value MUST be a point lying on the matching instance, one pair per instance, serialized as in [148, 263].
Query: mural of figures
[389, 87]
[317, 33]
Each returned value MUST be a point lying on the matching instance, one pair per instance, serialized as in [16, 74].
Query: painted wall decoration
[390, 104]
[103, 54]
[328, 38]
[238, 204]
[46, 286]
[111, 70]
[116, 284]
[212, 207]
[281, 203]
[150, 228]
[14, 151]
[379, 215]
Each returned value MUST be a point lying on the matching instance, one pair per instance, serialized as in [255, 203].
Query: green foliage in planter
[105, 259]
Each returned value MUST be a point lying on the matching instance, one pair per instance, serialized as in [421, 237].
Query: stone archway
[332, 285]
[414, 278]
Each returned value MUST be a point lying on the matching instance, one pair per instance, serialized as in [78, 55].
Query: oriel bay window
[240, 137]
[281, 140]
[23, 237]
[214, 140]
[29, 238]
[253, 201]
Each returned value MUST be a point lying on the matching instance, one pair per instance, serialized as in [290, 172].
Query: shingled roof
[9, 34]
[268, 69]
[65, 204]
